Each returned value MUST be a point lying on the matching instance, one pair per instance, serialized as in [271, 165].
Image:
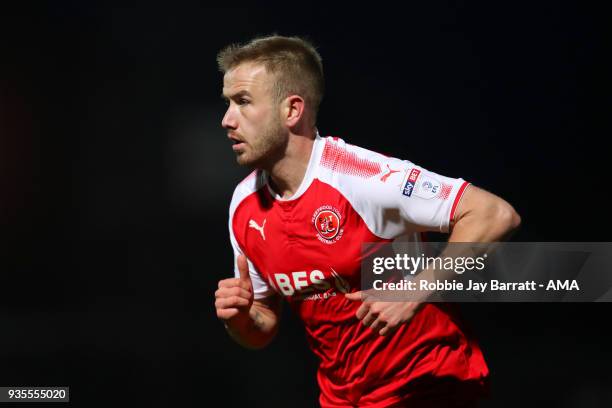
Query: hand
[235, 296]
[384, 317]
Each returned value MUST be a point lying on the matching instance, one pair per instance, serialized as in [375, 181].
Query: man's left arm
[479, 217]
[482, 217]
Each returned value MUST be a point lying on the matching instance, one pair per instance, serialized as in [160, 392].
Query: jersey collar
[315, 158]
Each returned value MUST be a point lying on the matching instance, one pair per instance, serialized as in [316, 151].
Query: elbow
[507, 218]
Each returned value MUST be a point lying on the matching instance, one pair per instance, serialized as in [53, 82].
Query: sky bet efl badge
[412, 178]
[427, 187]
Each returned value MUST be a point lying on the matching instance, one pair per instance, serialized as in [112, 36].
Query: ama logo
[326, 220]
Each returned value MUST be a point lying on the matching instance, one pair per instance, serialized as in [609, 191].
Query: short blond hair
[294, 61]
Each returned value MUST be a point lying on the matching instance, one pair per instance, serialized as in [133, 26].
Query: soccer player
[297, 224]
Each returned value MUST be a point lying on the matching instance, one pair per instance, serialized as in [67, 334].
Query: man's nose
[228, 121]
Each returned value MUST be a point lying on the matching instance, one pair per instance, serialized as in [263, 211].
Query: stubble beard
[267, 148]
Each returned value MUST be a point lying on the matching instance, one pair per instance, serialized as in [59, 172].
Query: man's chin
[243, 159]
[246, 161]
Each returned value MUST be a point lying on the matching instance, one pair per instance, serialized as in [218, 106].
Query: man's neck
[287, 174]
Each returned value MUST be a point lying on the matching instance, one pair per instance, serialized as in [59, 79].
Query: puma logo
[386, 176]
[253, 224]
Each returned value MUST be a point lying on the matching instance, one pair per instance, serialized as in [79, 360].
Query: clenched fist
[234, 297]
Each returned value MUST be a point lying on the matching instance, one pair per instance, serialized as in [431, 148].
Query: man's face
[252, 119]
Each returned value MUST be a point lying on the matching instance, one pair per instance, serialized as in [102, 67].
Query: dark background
[115, 180]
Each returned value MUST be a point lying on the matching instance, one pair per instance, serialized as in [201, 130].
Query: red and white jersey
[308, 249]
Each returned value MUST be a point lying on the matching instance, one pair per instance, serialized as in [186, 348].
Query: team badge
[326, 220]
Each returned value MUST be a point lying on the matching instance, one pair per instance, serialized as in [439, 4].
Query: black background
[115, 180]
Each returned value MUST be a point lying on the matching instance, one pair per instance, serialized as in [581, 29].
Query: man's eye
[242, 101]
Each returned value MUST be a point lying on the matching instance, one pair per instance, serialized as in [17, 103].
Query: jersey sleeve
[261, 289]
[394, 197]
[428, 200]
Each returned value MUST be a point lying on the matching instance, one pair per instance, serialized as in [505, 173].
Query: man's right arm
[251, 323]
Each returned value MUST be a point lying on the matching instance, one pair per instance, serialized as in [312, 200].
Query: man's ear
[293, 110]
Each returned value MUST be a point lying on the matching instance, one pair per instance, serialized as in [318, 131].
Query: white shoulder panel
[248, 186]
[394, 197]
